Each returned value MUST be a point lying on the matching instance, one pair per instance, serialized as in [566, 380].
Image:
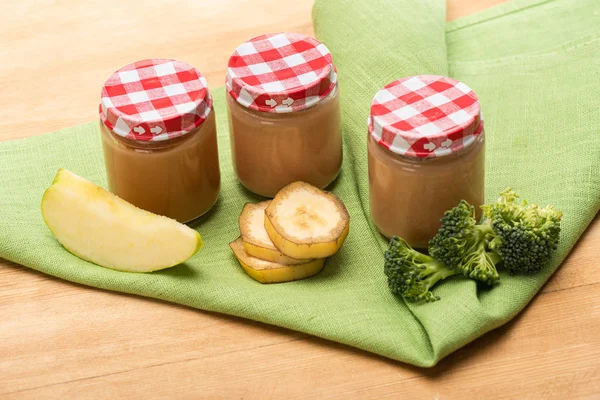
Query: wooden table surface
[62, 340]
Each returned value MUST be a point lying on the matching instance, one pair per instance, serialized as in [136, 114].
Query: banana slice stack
[289, 237]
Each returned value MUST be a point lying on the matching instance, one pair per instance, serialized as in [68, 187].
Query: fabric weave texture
[538, 84]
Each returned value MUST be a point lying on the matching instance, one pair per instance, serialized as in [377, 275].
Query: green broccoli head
[412, 274]
[455, 236]
[519, 235]
[461, 244]
[525, 234]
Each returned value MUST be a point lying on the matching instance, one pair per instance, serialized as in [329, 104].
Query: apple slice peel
[100, 227]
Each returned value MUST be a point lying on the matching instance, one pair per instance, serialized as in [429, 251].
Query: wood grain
[62, 340]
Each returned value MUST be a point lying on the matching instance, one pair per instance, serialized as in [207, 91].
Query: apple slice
[256, 240]
[306, 222]
[270, 272]
[99, 227]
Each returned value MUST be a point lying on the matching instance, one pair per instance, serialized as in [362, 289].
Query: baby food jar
[284, 113]
[159, 138]
[426, 152]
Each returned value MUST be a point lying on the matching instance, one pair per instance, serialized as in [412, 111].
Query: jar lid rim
[425, 116]
[280, 72]
[154, 100]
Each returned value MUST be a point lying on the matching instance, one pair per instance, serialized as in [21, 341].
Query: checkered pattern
[155, 100]
[425, 116]
[280, 73]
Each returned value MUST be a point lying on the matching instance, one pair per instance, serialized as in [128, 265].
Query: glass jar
[284, 113]
[159, 138]
[426, 152]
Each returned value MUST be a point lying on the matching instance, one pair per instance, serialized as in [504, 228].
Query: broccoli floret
[521, 236]
[461, 244]
[525, 234]
[411, 273]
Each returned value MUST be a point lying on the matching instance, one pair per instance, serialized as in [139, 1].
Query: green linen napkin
[534, 65]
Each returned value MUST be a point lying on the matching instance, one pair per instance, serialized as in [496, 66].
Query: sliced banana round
[270, 272]
[254, 235]
[305, 222]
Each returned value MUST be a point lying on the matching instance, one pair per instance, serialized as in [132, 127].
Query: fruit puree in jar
[426, 152]
[284, 113]
[159, 138]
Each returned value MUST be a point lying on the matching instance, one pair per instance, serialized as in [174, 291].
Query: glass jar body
[271, 150]
[178, 178]
[408, 196]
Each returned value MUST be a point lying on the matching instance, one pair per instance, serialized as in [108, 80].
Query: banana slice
[304, 222]
[270, 272]
[256, 240]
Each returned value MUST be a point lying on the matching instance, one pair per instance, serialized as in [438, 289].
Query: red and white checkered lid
[155, 100]
[425, 116]
[280, 73]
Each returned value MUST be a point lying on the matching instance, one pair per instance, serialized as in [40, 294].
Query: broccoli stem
[440, 273]
[484, 229]
[478, 263]
[496, 259]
